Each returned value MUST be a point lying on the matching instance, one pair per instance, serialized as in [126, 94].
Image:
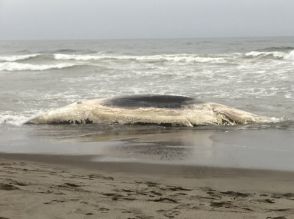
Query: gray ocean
[253, 74]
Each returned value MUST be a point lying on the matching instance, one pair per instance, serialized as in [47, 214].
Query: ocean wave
[14, 58]
[290, 55]
[279, 48]
[13, 119]
[149, 58]
[272, 54]
[15, 66]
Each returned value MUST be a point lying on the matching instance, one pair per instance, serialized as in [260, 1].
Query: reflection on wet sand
[226, 147]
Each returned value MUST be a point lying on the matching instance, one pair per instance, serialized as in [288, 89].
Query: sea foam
[14, 58]
[274, 54]
[15, 66]
[12, 119]
[148, 58]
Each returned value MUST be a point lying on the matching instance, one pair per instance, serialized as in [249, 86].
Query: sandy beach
[146, 109]
[44, 186]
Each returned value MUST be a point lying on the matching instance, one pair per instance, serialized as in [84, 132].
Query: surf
[186, 58]
[285, 55]
[15, 66]
[13, 58]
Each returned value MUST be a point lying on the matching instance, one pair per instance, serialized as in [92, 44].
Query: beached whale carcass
[148, 109]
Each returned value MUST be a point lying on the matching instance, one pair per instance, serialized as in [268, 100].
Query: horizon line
[150, 38]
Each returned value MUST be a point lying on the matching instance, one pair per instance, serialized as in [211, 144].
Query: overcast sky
[100, 19]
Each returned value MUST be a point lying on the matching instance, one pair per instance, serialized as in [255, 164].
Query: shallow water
[226, 147]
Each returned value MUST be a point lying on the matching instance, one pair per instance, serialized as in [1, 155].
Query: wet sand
[87, 172]
[51, 186]
[268, 148]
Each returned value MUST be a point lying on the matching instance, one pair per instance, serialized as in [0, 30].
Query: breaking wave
[271, 54]
[15, 66]
[14, 58]
[188, 58]
[13, 119]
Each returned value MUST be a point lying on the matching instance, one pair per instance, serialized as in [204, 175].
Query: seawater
[252, 74]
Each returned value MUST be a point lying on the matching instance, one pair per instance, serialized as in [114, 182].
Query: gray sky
[96, 19]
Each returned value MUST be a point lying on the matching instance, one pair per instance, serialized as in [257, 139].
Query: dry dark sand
[36, 186]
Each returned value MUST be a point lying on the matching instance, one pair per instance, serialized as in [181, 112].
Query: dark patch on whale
[156, 101]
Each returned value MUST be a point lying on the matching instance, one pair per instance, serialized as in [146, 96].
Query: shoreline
[50, 186]
[143, 168]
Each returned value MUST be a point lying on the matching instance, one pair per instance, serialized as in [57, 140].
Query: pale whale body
[148, 109]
